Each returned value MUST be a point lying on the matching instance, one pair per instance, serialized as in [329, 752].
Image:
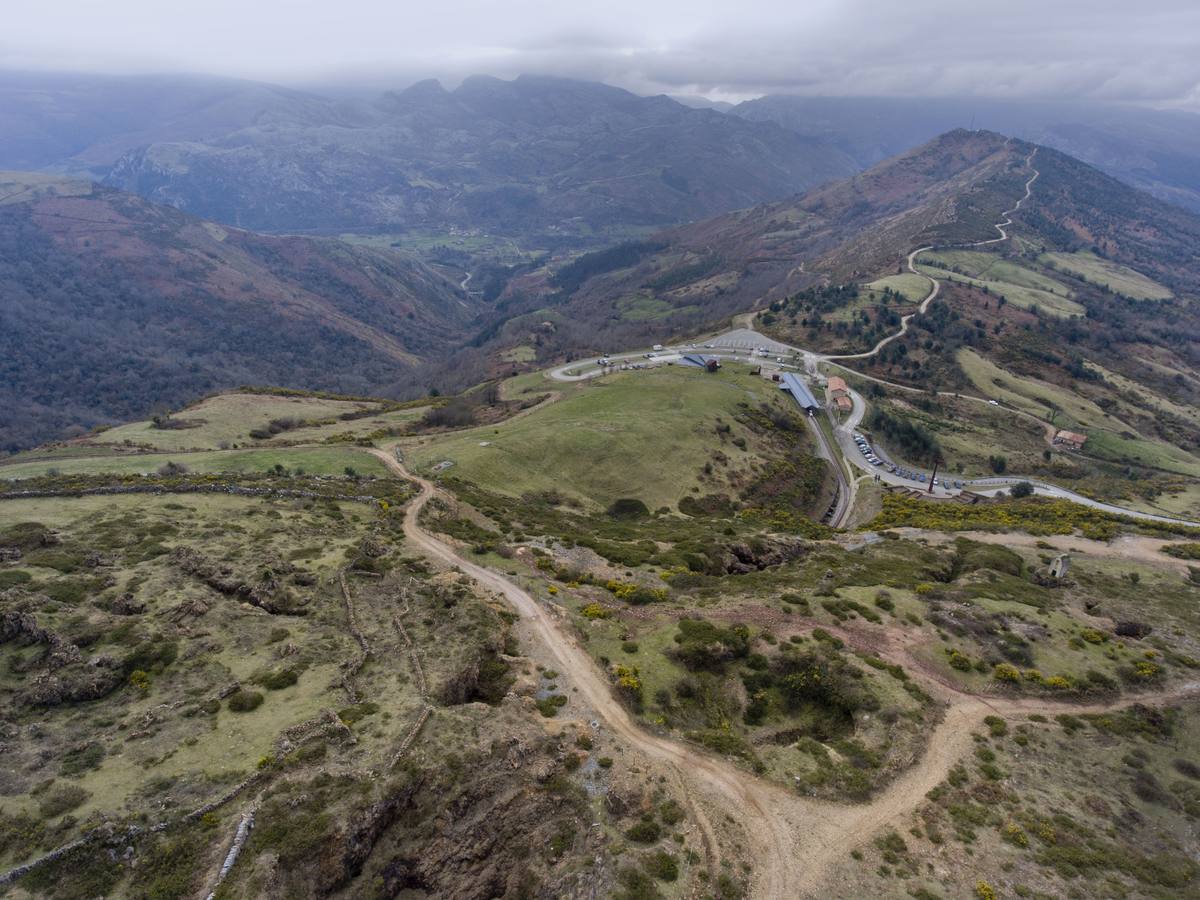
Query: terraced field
[1105, 273]
[1017, 284]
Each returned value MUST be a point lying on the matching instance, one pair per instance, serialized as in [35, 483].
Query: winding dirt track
[934, 284]
[795, 843]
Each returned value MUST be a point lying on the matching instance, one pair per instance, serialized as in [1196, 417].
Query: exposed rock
[266, 592]
[62, 674]
[82, 680]
[127, 605]
[1132, 629]
[741, 558]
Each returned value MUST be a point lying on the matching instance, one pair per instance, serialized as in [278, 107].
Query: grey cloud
[1064, 49]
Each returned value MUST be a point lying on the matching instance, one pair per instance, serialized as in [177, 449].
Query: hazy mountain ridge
[1154, 150]
[530, 155]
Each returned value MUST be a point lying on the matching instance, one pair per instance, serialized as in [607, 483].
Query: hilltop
[1150, 149]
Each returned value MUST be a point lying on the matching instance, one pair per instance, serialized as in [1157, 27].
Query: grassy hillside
[1105, 273]
[306, 460]
[247, 419]
[1016, 283]
[646, 435]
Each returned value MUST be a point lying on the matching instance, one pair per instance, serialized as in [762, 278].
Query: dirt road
[934, 284]
[795, 843]
[725, 786]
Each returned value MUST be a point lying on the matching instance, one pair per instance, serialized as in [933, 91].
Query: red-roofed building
[839, 394]
[1070, 439]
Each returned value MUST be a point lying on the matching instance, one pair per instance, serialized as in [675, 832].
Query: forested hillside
[111, 305]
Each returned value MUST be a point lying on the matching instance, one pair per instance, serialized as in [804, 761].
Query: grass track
[313, 460]
[229, 418]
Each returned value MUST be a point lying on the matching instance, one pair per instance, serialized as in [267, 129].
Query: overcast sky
[1144, 51]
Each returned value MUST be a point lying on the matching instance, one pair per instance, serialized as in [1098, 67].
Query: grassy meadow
[305, 460]
[631, 434]
[1102, 272]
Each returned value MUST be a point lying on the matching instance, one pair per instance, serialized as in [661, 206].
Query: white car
[994, 402]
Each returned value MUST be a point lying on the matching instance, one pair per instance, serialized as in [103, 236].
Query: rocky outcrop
[459, 842]
[63, 674]
[741, 558]
[268, 592]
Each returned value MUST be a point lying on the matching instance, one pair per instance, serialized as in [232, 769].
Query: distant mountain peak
[429, 87]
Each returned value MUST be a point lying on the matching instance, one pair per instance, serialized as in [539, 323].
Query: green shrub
[1189, 550]
[358, 711]
[278, 680]
[245, 701]
[61, 799]
[703, 646]
[662, 865]
[549, 706]
[646, 831]
[628, 508]
[635, 885]
[959, 660]
[24, 535]
[996, 725]
[60, 560]
[81, 759]
[671, 813]
[14, 578]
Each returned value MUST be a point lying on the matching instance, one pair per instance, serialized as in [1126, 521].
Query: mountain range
[564, 160]
[112, 303]
[949, 192]
[556, 163]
